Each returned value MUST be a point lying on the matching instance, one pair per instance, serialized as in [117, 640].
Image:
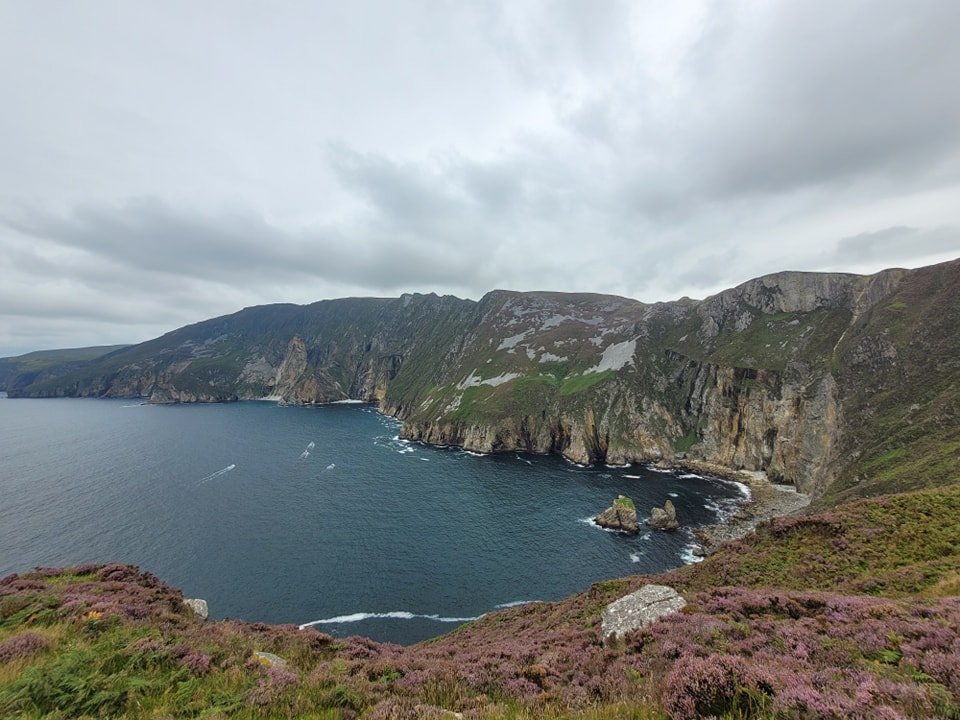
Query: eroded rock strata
[812, 378]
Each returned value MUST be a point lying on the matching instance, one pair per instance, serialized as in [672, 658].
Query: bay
[362, 531]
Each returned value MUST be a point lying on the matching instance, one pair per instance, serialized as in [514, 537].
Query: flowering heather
[844, 615]
[22, 646]
[271, 685]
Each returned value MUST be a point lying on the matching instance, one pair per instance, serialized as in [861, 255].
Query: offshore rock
[664, 518]
[639, 609]
[622, 516]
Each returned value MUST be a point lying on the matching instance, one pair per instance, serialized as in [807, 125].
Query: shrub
[22, 646]
[716, 685]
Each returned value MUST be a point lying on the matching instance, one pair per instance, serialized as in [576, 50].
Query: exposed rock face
[776, 375]
[622, 516]
[639, 609]
[198, 606]
[664, 518]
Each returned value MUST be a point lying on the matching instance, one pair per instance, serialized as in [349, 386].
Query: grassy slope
[34, 363]
[852, 613]
[900, 368]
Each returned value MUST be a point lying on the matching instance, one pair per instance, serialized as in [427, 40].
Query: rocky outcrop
[664, 518]
[639, 609]
[268, 659]
[759, 377]
[621, 516]
[199, 607]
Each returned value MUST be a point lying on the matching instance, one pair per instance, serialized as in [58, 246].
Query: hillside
[844, 385]
[849, 614]
[44, 365]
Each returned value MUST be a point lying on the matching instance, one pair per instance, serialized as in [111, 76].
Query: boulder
[664, 518]
[269, 659]
[639, 609]
[622, 516]
[198, 606]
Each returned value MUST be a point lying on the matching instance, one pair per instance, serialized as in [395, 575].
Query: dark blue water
[364, 525]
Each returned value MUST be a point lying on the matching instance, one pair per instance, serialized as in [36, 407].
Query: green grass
[625, 502]
[898, 545]
[686, 442]
[578, 383]
[884, 458]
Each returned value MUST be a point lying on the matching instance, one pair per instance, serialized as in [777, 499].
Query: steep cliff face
[793, 374]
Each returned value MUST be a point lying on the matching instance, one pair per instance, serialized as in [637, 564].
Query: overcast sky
[166, 162]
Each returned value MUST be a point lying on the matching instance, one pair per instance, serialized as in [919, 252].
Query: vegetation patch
[578, 383]
[863, 595]
[686, 442]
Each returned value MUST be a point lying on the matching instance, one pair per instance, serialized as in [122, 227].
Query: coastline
[767, 500]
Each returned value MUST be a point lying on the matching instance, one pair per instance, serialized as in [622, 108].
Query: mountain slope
[818, 379]
[23, 370]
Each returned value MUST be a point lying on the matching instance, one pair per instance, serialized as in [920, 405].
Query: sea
[322, 515]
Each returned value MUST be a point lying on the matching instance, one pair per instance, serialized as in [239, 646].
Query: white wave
[218, 473]
[646, 536]
[589, 521]
[305, 454]
[635, 557]
[524, 460]
[475, 454]
[425, 459]
[618, 467]
[331, 466]
[632, 477]
[673, 494]
[687, 554]
[516, 603]
[662, 471]
[393, 615]
[311, 445]
[744, 489]
[347, 402]
[690, 476]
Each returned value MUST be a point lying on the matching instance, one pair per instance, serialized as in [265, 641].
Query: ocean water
[320, 515]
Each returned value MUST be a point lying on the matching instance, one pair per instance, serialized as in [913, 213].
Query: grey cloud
[640, 148]
[896, 244]
[148, 236]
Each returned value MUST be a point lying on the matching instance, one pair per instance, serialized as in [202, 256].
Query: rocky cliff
[809, 377]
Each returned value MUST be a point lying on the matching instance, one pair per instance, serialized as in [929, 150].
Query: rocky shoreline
[767, 500]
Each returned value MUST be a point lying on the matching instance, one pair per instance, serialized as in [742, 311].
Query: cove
[361, 531]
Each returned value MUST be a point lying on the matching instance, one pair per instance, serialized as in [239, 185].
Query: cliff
[817, 379]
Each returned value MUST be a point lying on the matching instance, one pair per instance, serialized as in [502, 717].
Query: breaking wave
[218, 473]
[393, 615]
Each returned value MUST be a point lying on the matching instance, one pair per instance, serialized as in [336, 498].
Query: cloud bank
[167, 162]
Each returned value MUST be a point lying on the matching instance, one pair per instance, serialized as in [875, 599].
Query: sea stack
[622, 516]
[664, 518]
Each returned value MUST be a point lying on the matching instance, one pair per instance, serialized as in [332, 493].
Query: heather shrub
[117, 573]
[271, 685]
[22, 646]
[714, 686]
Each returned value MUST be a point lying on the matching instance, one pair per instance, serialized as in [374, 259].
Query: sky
[167, 162]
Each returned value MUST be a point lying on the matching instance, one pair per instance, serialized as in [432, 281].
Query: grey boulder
[639, 609]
